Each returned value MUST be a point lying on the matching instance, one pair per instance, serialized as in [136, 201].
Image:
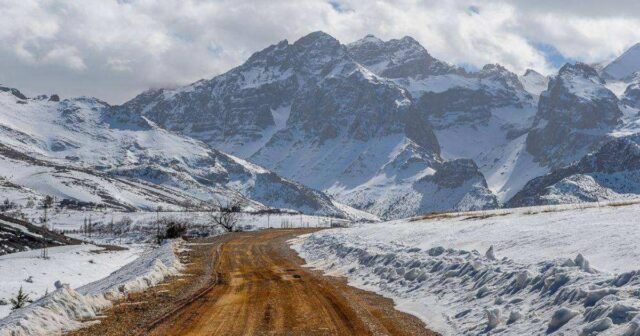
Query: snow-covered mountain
[625, 65]
[394, 59]
[534, 82]
[85, 150]
[575, 116]
[378, 123]
[382, 126]
[312, 113]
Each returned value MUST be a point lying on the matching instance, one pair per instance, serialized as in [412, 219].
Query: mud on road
[260, 288]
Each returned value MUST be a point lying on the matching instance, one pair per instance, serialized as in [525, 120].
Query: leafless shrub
[226, 213]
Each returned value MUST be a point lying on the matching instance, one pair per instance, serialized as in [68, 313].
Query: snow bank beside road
[535, 281]
[66, 308]
[76, 265]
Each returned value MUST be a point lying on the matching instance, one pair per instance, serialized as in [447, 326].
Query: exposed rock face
[632, 93]
[353, 105]
[612, 172]
[574, 116]
[13, 91]
[494, 87]
[455, 185]
[401, 58]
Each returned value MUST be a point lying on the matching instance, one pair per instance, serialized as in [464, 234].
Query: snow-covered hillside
[625, 65]
[560, 270]
[84, 150]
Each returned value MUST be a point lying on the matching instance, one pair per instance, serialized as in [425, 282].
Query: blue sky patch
[552, 55]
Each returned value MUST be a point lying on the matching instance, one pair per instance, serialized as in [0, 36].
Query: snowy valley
[480, 200]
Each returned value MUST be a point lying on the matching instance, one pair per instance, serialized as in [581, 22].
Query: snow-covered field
[75, 265]
[528, 271]
[82, 288]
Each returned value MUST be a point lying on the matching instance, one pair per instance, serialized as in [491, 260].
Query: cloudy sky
[114, 49]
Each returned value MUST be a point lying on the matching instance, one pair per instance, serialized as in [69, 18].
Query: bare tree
[226, 213]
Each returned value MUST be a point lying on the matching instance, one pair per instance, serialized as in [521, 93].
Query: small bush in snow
[175, 230]
[20, 300]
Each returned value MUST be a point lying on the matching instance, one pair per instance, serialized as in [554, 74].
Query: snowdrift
[66, 309]
[531, 283]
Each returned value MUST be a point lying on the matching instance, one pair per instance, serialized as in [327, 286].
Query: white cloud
[115, 49]
[65, 55]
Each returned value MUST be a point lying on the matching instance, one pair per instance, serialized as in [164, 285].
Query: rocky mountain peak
[582, 70]
[314, 53]
[368, 39]
[574, 116]
[531, 72]
[268, 52]
[534, 82]
[500, 73]
[397, 58]
[317, 40]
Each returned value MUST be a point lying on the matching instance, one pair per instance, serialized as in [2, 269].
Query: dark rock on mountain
[574, 116]
[608, 173]
[13, 91]
[632, 93]
[401, 58]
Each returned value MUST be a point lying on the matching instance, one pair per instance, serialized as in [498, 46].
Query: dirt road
[263, 290]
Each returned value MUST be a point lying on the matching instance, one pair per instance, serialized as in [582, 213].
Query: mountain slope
[534, 82]
[625, 65]
[83, 149]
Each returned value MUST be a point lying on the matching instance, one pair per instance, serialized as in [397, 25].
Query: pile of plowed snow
[531, 277]
[65, 308]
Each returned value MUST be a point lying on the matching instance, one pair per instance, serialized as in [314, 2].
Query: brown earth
[260, 288]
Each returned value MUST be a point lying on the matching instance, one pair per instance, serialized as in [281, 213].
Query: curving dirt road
[262, 290]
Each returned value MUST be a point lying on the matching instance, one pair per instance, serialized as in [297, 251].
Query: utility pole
[45, 252]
